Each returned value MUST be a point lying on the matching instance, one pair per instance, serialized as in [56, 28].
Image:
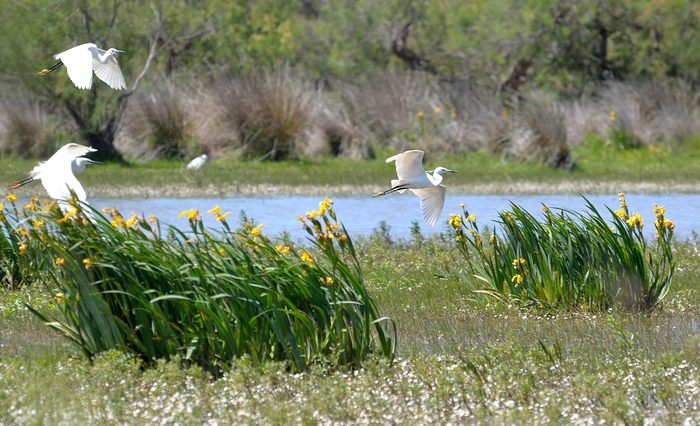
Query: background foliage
[491, 54]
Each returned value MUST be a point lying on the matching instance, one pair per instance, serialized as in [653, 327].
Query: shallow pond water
[364, 215]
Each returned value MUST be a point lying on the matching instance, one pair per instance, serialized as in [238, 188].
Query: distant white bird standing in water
[198, 163]
[81, 61]
[426, 185]
[56, 174]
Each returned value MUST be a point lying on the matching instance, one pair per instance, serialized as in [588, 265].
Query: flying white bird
[426, 185]
[56, 174]
[77, 166]
[198, 163]
[82, 60]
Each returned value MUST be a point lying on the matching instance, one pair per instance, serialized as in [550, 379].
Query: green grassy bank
[600, 167]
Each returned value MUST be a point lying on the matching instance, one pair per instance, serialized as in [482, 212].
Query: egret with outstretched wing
[81, 61]
[56, 174]
[426, 185]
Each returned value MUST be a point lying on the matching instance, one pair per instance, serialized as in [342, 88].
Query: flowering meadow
[151, 324]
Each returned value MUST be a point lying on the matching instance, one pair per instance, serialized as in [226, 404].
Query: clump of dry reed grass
[158, 123]
[485, 118]
[538, 132]
[276, 115]
[27, 128]
[269, 111]
[405, 110]
[283, 115]
[644, 112]
[280, 115]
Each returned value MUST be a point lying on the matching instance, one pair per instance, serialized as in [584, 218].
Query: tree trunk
[416, 62]
[604, 70]
[103, 141]
[510, 89]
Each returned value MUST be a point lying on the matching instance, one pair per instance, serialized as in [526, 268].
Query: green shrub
[209, 298]
[570, 259]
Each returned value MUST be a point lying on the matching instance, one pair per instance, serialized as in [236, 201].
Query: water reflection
[363, 215]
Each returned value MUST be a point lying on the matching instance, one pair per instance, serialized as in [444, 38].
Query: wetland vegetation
[461, 355]
[148, 324]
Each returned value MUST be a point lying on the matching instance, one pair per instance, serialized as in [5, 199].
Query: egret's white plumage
[78, 165]
[81, 61]
[56, 174]
[427, 186]
[198, 162]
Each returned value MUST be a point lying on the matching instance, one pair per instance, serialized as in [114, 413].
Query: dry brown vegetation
[284, 115]
[27, 128]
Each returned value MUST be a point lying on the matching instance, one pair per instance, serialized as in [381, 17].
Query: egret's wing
[59, 188]
[431, 202]
[409, 164]
[69, 152]
[108, 71]
[78, 63]
[57, 174]
[395, 183]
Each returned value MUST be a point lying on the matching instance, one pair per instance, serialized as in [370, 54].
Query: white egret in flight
[56, 174]
[82, 60]
[198, 162]
[426, 185]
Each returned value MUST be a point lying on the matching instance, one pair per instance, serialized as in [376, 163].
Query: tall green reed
[209, 297]
[569, 259]
[20, 262]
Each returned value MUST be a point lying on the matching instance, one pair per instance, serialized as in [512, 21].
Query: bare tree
[415, 61]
